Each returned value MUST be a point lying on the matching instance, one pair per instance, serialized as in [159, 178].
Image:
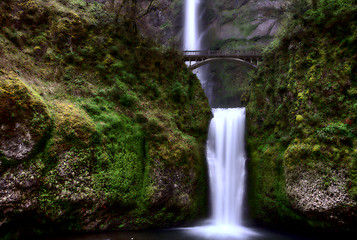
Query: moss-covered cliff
[301, 111]
[99, 128]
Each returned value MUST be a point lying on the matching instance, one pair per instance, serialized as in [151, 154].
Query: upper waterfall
[191, 34]
[193, 38]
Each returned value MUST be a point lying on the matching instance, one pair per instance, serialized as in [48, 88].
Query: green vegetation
[302, 120]
[119, 123]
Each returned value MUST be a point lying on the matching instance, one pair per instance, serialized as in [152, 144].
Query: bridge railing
[222, 53]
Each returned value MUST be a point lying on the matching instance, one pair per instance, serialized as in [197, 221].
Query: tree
[131, 10]
[315, 4]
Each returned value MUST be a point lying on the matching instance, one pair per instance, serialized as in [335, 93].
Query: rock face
[163, 22]
[264, 29]
[232, 25]
[301, 132]
[24, 118]
[18, 191]
[17, 146]
[310, 191]
[162, 187]
[249, 20]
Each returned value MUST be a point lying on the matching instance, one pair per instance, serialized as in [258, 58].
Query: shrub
[328, 10]
[92, 109]
[129, 99]
[114, 50]
[118, 89]
[178, 92]
[117, 65]
[336, 133]
[154, 89]
[13, 35]
[314, 119]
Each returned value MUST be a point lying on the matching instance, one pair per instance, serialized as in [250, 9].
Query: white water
[191, 42]
[226, 162]
[225, 154]
[193, 37]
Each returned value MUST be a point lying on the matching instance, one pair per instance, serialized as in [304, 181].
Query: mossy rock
[24, 118]
[73, 127]
[299, 118]
[296, 153]
[352, 92]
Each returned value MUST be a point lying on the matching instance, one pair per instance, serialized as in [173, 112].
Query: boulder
[24, 118]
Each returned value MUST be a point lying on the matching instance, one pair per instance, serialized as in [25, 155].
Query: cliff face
[99, 128]
[244, 23]
[302, 122]
[237, 25]
[164, 22]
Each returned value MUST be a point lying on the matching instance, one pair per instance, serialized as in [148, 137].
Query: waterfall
[193, 38]
[225, 153]
[226, 161]
[191, 26]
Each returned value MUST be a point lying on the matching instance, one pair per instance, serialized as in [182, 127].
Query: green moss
[72, 125]
[267, 198]
[307, 88]
[24, 117]
[129, 121]
[299, 118]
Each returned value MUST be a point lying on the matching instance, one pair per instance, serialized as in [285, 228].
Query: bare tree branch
[148, 10]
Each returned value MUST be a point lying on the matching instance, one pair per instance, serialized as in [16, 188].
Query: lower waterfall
[226, 160]
[226, 163]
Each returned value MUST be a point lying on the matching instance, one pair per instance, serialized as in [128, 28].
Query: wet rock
[19, 145]
[168, 185]
[18, 189]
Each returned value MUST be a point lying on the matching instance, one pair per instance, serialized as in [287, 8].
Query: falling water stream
[225, 151]
[226, 160]
[191, 26]
[226, 163]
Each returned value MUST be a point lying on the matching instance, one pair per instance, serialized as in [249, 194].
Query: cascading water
[191, 42]
[193, 37]
[226, 160]
[225, 153]
[226, 163]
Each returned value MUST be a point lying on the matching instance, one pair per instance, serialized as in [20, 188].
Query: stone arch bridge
[199, 58]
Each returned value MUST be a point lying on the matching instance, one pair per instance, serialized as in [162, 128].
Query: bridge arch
[202, 57]
[212, 60]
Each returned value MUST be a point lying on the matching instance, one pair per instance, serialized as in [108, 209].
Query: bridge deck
[206, 54]
[200, 58]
